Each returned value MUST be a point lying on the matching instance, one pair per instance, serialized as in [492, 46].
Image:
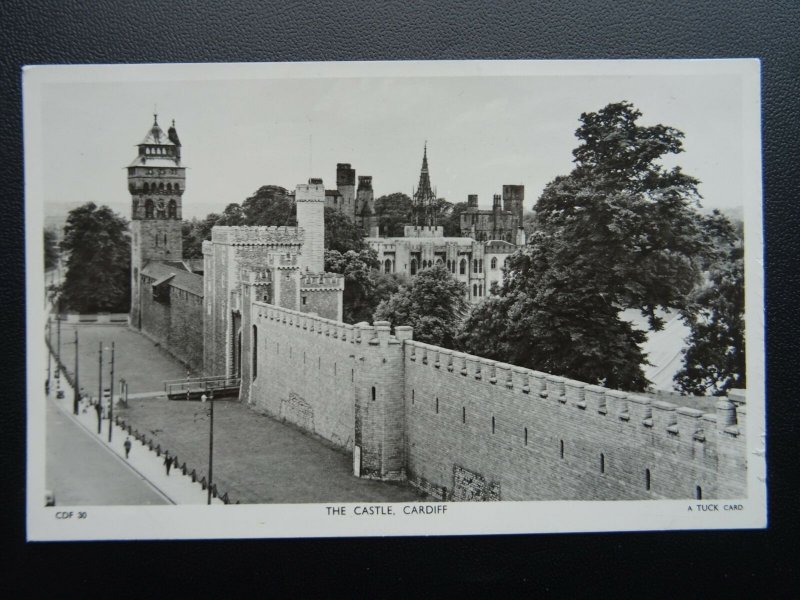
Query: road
[81, 471]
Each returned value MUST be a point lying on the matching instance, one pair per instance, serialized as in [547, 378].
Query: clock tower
[156, 181]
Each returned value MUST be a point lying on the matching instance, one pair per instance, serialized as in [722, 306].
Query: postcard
[393, 298]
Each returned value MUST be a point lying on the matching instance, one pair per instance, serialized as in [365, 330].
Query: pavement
[143, 464]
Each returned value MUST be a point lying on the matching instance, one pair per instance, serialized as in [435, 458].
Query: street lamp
[111, 397]
[210, 398]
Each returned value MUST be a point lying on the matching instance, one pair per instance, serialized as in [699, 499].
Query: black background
[69, 32]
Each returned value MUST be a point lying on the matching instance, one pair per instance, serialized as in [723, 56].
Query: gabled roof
[164, 272]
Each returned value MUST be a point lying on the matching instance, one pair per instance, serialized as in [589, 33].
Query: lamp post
[77, 394]
[111, 397]
[49, 352]
[210, 398]
[58, 354]
[99, 406]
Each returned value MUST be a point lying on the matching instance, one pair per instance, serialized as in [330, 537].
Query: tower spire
[424, 197]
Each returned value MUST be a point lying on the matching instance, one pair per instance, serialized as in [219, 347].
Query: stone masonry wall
[340, 382]
[523, 435]
[176, 326]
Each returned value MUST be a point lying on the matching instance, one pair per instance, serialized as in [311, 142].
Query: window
[148, 209]
[387, 266]
[561, 448]
[413, 266]
[698, 493]
[602, 463]
[494, 262]
[437, 405]
[304, 300]
[492, 424]
[474, 289]
[412, 396]
[480, 266]
[373, 393]
[463, 267]
[647, 479]
[254, 367]
[177, 185]
[526, 436]
[475, 265]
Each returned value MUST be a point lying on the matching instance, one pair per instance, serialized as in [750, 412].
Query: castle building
[195, 311]
[502, 222]
[457, 426]
[479, 265]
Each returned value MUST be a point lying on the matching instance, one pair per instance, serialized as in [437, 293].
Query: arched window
[148, 209]
[413, 266]
[475, 265]
[146, 187]
[161, 186]
[387, 266]
[463, 267]
[169, 187]
[494, 262]
[480, 266]
[177, 187]
[474, 289]
[173, 209]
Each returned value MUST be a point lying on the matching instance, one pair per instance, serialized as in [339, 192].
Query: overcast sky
[482, 132]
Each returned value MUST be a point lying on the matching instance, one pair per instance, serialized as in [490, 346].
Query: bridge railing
[196, 387]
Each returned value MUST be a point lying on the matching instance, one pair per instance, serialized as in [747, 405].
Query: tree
[358, 283]
[97, 244]
[451, 222]
[341, 233]
[50, 249]
[232, 216]
[394, 213]
[714, 360]
[432, 303]
[270, 205]
[619, 231]
[194, 232]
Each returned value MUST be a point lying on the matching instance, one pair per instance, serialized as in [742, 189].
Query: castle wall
[177, 325]
[320, 374]
[483, 430]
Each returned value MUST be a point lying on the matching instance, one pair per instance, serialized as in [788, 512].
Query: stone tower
[156, 181]
[310, 201]
[346, 186]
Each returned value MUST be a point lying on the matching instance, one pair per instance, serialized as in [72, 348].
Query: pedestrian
[167, 461]
[127, 447]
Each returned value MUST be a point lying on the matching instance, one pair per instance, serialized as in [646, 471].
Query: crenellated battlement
[377, 334]
[660, 417]
[257, 236]
[321, 281]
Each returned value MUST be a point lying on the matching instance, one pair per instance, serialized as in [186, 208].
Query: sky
[482, 131]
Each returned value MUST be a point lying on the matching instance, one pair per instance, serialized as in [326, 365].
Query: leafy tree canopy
[394, 211]
[50, 249]
[97, 245]
[432, 303]
[364, 286]
[714, 360]
[619, 231]
[341, 233]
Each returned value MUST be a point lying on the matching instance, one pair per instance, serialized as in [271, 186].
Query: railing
[194, 388]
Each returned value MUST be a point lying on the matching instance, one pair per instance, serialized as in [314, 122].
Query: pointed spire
[424, 196]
